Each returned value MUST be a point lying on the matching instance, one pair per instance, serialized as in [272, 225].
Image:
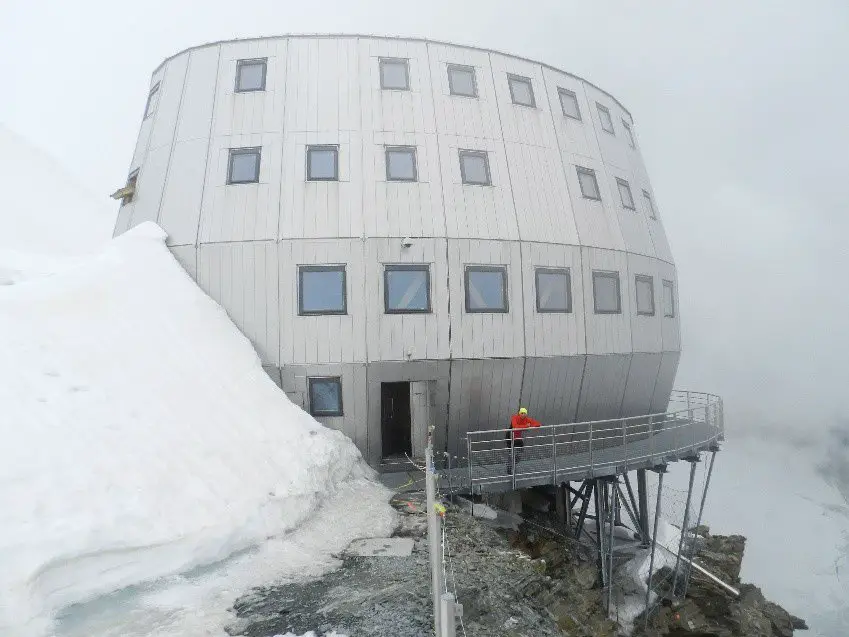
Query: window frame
[619, 184]
[565, 91]
[644, 278]
[652, 211]
[311, 380]
[629, 133]
[247, 150]
[607, 274]
[313, 267]
[462, 67]
[323, 147]
[148, 111]
[511, 77]
[588, 171]
[461, 152]
[405, 62]
[671, 285]
[398, 149]
[554, 270]
[132, 180]
[603, 109]
[406, 267]
[502, 269]
[250, 62]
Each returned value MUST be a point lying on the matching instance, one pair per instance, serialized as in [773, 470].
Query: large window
[462, 80]
[629, 133]
[606, 296]
[401, 163]
[569, 103]
[589, 185]
[243, 167]
[250, 75]
[649, 205]
[406, 289]
[486, 288]
[554, 290]
[394, 74]
[604, 118]
[474, 167]
[322, 290]
[625, 194]
[326, 396]
[152, 101]
[521, 90]
[668, 299]
[644, 286]
[322, 163]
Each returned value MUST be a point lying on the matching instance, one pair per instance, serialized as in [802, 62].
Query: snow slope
[142, 439]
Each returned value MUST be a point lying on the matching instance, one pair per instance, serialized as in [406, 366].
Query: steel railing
[600, 447]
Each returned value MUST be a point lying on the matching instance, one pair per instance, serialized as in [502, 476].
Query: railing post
[513, 466]
[590, 438]
[471, 478]
[625, 444]
[554, 454]
[651, 438]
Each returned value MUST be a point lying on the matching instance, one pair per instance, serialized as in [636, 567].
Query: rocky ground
[526, 581]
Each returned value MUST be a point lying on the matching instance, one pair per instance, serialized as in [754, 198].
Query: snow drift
[141, 436]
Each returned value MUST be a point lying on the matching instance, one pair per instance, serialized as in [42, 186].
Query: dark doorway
[395, 420]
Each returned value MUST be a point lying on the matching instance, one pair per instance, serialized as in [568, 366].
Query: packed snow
[145, 447]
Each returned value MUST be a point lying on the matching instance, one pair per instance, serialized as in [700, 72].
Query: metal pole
[599, 536]
[471, 480]
[434, 537]
[684, 523]
[584, 506]
[614, 491]
[642, 494]
[448, 615]
[699, 519]
[653, 542]
[591, 446]
[553, 457]
[513, 459]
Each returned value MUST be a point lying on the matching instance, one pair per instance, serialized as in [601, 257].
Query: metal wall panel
[665, 381]
[607, 333]
[146, 127]
[551, 387]
[171, 92]
[574, 137]
[646, 331]
[519, 123]
[632, 223]
[151, 177]
[671, 326]
[603, 387]
[597, 222]
[182, 193]
[642, 378]
[613, 146]
[199, 95]
[188, 258]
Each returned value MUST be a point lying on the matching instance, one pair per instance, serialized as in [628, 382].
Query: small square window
[486, 288]
[250, 75]
[668, 299]
[406, 289]
[394, 74]
[474, 167]
[322, 163]
[326, 396]
[401, 163]
[152, 101]
[129, 191]
[650, 205]
[644, 286]
[244, 165]
[629, 133]
[521, 90]
[604, 117]
[606, 295]
[569, 103]
[625, 194]
[322, 290]
[589, 185]
[462, 80]
[554, 290]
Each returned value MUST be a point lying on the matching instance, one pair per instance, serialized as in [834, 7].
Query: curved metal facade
[244, 243]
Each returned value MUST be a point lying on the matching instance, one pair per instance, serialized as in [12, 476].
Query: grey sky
[740, 112]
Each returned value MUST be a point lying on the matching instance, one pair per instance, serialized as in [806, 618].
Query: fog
[739, 111]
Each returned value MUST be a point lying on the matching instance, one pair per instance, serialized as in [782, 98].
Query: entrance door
[395, 419]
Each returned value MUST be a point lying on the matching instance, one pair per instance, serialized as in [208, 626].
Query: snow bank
[141, 436]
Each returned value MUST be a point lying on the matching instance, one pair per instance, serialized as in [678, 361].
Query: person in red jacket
[518, 422]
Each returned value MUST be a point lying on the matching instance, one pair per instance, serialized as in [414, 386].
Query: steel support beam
[643, 505]
[660, 471]
[684, 525]
[599, 512]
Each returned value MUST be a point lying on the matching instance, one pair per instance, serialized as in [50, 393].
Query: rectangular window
[401, 163]
[629, 133]
[322, 290]
[569, 103]
[244, 166]
[554, 290]
[250, 75]
[152, 101]
[462, 80]
[486, 288]
[649, 205]
[406, 289]
[606, 297]
[625, 194]
[322, 163]
[604, 117]
[668, 299]
[394, 74]
[474, 167]
[589, 185]
[326, 396]
[644, 286]
[521, 90]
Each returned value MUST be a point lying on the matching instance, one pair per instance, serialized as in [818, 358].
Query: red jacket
[519, 422]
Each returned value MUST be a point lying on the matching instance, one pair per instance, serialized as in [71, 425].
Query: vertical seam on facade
[173, 139]
[278, 243]
[625, 387]
[581, 388]
[208, 149]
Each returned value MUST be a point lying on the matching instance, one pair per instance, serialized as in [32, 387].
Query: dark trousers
[515, 453]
